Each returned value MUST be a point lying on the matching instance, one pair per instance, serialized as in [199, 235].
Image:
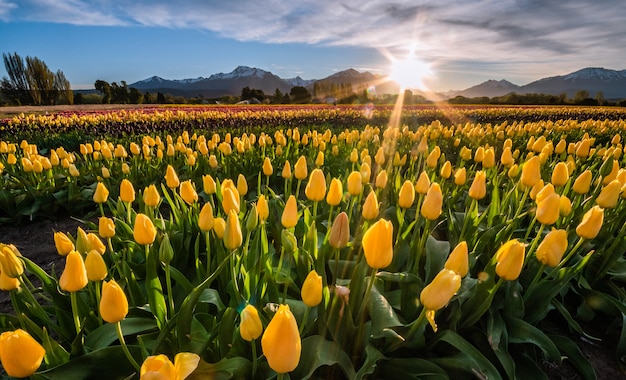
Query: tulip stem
[571, 253]
[118, 327]
[304, 319]
[101, 209]
[366, 296]
[170, 295]
[74, 304]
[254, 358]
[208, 253]
[533, 245]
[534, 281]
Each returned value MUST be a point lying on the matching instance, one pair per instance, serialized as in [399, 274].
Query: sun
[409, 72]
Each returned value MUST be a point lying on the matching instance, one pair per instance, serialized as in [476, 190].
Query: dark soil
[35, 241]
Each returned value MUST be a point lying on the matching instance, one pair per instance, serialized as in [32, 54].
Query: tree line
[31, 82]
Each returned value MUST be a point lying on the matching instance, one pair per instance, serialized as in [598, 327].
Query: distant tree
[41, 81]
[105, 88]
[600, 98]
[135, 96]
[160, 99]
[278, 96]
[286, 99]
[580, 96]
[66, 95]
[78, 99]
[30, 81]
[119, 93]
[16, 85]
[248, 93]
[300, 95]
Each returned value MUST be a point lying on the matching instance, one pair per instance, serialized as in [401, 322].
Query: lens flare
[409, 72]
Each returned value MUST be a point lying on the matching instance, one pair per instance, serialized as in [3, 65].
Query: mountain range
[612, 84]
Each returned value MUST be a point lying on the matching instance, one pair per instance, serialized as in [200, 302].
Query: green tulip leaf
[412, 368]
[318, 352]
[572, 352]
[527, 369]
[523, 332]
[372, 357]
[106, 334]
[469, 359]
[382, 314]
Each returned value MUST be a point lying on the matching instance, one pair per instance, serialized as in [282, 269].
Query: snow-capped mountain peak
[241, 71]
[596, 73]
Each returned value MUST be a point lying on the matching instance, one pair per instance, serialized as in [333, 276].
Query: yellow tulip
[208, 184]
[267, 167]
[316, 187]
[433, 202]
[507, 157]
[319, 160]
[242, 185]
[433, 157]
[560, 174]
[250, 327]
[127, 191]
[354, 156]
[478, 189]
[582, 184]
[381, 179]
[513, 171]
[335, 192]
[96, 244]
[549, 209]
[159, 367]
[232, 233]
[289, 217]
[552, 247]
[423, 183]
[370, 207]
[510, 259]
[366, 172]
[591, 223]
[460, 176]
[20, 353]
[144, 231]
[151, 197]
[286, 173]
[378, 244]
[262, 208]
[205, 218]
[171, 178]
[74, 276]
[609, 195]
[63, 243]
[8, 283]
[565, 207]
[219, 226]
[95, 266]
[106, 228]
[188, 192]
[340, 231]
[489, 160]
[230, 199]
[406, 196]
[101, 194]
[355, 183]
[479, 156]
[531, 172]
[446, 170]
[442, 288]
[10, 263]
[583, 148]
[458, 261]
[281, 341]
[113, 304]
[311, 292]
[300, 168]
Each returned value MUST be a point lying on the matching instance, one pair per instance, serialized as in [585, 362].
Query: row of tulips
[433, 257]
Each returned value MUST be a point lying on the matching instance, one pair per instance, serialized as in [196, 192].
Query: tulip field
[315, 242]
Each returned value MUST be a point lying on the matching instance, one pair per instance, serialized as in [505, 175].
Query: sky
[463, 42]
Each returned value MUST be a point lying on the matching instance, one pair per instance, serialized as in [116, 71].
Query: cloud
[443, 30]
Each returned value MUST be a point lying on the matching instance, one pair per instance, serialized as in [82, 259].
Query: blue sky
[465, 42]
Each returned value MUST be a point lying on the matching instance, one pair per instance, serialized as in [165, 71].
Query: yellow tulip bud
[355, 183]
[250, 327]
[340, 231]
[101, 194]
[552, 247]
[406, 196]
[242, 185]
[489, 160]
[171, 178]
[370, 207]
[316, 187]
[300, 168]
[286, 173]
[311, 292]
[591, 223]
[583, 149]
[208, 184]
[144, 231]
[479, 156]
[219, 226]
[113, 304]
[188, 192]
[262, 208]
[127, 191]
[230, 199]
[10, 263]
[609, 195]
[232, 232]
[378, 244]
[510, 259]
[433, 157]
[354, 156]
[96, 244]
[267, 168]
[366, 172]
[446, 170]
[289, 217]
[319, 160]
[205, 218]
[20, 353]
[507, 157]
[549, 209]
[458, 261]
[160, 367]
[335, 192]
[95, 266]
[460, 176]
[8, 283]
[423, 183]
[478, 189]
[442, 288]
[433, 202]
[106, 228]
[560, 174]
[252, 220]
[381, 180]
[63, 243]
[74, 276]
[531, 172]
[151, 197]
[281, 342]
[582, 184]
